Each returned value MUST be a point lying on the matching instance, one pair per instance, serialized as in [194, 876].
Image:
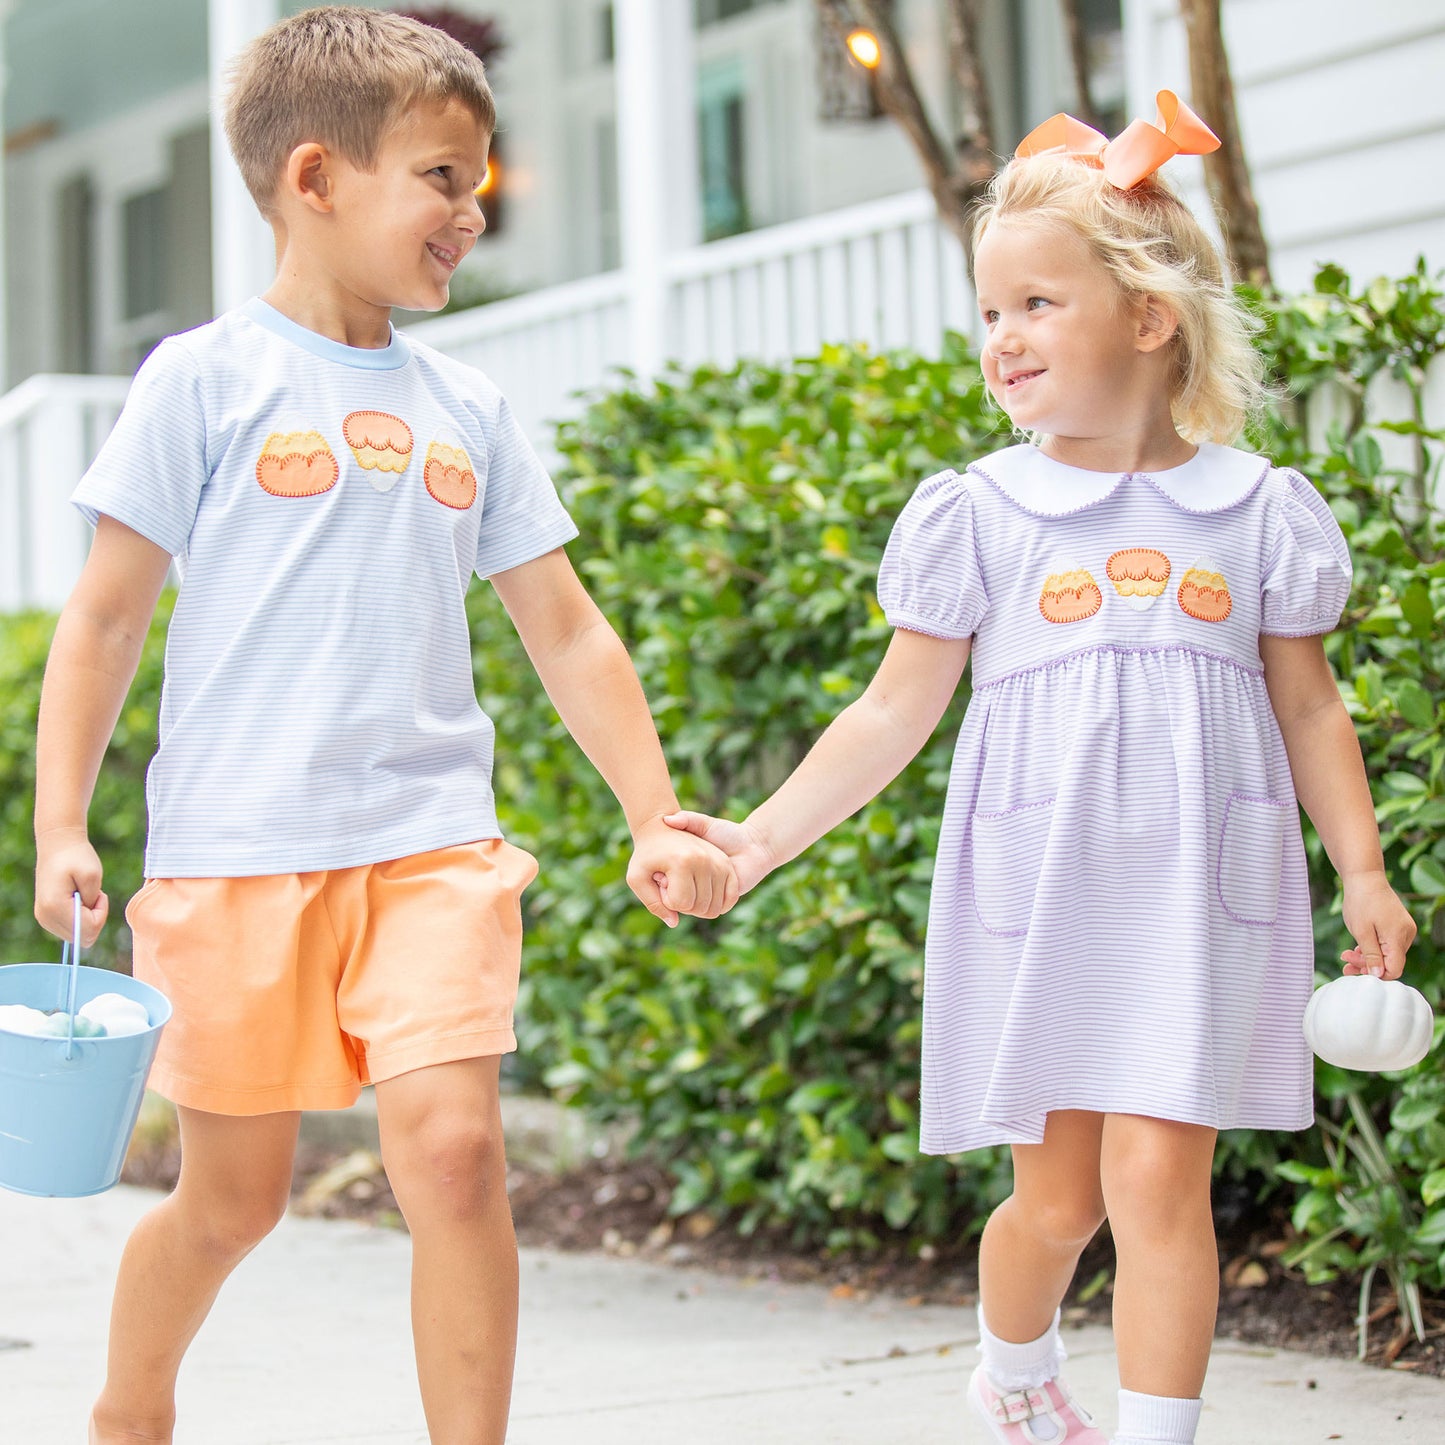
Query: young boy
[329, 900]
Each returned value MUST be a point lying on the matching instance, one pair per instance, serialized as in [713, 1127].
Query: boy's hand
[673, 873]
[66, 864]
[751, 857]
[1380, 924]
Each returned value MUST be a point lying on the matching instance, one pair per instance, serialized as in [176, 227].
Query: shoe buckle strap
[1020, 1405]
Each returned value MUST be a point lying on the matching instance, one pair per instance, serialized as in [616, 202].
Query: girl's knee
[1065, 1220]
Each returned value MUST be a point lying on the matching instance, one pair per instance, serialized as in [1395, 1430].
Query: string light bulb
[864, 48]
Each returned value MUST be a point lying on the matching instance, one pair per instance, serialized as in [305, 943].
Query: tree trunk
[1226, 170]
[1079, 56]
[956, 174]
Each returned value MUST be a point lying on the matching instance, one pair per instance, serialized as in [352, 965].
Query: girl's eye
[1036, 301]
[443, 171]
[989, 317]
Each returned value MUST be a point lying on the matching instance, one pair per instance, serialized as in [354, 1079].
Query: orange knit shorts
[292, 990]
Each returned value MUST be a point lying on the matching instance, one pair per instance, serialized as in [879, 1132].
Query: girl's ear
[308, 177]
[1158, 321]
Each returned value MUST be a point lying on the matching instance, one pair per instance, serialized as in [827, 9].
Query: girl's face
[1066, 354]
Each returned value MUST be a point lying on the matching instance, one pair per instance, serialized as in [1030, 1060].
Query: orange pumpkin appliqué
[296, 464]
[1139, 575]
[379, 441]
[1070, 596]
[1205, 595]
[450, 476]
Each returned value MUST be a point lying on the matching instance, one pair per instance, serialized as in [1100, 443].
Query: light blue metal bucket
[68, 1106]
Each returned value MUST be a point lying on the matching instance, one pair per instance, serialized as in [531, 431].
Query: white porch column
[6, 6]
[243, 256]
[656, 160]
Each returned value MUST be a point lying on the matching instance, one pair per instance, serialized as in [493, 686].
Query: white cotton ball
[16, 1018]
[120, 1015]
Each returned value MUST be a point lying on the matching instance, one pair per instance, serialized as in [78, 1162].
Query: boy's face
[401, 229]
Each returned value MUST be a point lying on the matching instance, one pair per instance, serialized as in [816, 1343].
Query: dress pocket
[1251, 848]
[1008, 851]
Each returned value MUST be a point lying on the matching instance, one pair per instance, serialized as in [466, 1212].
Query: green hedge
[732, 522]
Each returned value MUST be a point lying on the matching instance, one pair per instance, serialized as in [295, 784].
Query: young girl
[1119, 950]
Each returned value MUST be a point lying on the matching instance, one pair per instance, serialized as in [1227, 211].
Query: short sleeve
[522, 516]
[152, 467]
[1307, 573]
[930, 580]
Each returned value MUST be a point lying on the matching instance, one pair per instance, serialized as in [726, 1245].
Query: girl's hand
[751, 857]
[674, 874]
[1380, 924]
[66, 864]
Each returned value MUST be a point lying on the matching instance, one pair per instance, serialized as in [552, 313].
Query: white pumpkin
[1368, 1023]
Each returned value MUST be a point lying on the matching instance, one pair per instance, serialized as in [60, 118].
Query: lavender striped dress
[1120, 918]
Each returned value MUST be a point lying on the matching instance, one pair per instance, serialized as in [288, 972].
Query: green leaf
[1427, 876]
[1417, 610]
[1416, 705]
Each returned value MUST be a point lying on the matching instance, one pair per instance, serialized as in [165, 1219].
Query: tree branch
[1226, 170]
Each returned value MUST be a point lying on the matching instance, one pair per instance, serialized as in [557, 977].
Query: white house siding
[1342, 108]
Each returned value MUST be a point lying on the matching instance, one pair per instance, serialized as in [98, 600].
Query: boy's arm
[864, 748]
[93, 658]
[1330, 782]
[587, 673]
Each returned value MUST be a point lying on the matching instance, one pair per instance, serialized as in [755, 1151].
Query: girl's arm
[864, 748]
[587, 673]
[93, 658]
[1330, 782]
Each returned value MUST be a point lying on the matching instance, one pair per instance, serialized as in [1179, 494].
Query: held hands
[673, 873]
[66, 864]
[1380, 925]
[752, 859]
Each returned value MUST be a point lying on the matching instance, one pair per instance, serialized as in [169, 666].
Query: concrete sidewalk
[309, 1345]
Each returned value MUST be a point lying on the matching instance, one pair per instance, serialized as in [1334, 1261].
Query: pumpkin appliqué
[1139, 576]
[1204, 595]
[449, 475]
[1070, 596]
[297, 464]
[381, 444]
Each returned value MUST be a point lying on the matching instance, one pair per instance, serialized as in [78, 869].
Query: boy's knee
[455, 1167]
[232, 1228]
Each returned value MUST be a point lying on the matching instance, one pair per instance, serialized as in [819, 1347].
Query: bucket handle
[70, 956]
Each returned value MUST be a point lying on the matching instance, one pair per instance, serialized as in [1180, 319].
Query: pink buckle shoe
[1044, 1415]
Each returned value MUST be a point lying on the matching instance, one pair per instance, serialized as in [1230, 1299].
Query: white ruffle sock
[1156, 1420]
[1021, 1367]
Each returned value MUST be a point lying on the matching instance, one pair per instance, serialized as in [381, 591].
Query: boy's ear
[308, 176]
[1158, 321]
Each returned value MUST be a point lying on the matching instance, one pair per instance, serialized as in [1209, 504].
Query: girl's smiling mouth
[447, 256]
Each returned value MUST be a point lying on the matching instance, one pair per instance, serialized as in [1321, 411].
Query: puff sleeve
[930, 580]
[1307, 572]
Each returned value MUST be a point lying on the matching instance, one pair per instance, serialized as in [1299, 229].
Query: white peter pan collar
[1212, 480]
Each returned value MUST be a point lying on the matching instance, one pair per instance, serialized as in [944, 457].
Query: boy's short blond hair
[341, 75]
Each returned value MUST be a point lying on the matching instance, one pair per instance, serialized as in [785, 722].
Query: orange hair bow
[1136, 152]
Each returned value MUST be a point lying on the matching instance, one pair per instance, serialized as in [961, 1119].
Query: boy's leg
[1032, 1241]
[1156, 1177]
[234, 1184]
[441, 1139]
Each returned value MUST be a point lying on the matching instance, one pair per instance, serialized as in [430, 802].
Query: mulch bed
[620, 1207]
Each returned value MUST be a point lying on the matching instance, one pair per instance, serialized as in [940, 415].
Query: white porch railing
[50, 429]
[886, 273]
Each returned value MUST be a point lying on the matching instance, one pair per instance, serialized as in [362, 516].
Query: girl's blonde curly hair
[1151, 245]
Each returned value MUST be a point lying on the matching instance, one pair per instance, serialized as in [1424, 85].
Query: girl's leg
[441, 1138]
[234, 1184]
[1032, 1241]
[1156, 1177]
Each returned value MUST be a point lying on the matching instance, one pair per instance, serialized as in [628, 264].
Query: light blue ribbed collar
[366, 358]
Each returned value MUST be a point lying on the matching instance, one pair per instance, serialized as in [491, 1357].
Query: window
[143, 228]
[710, 12]
[722, 137]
